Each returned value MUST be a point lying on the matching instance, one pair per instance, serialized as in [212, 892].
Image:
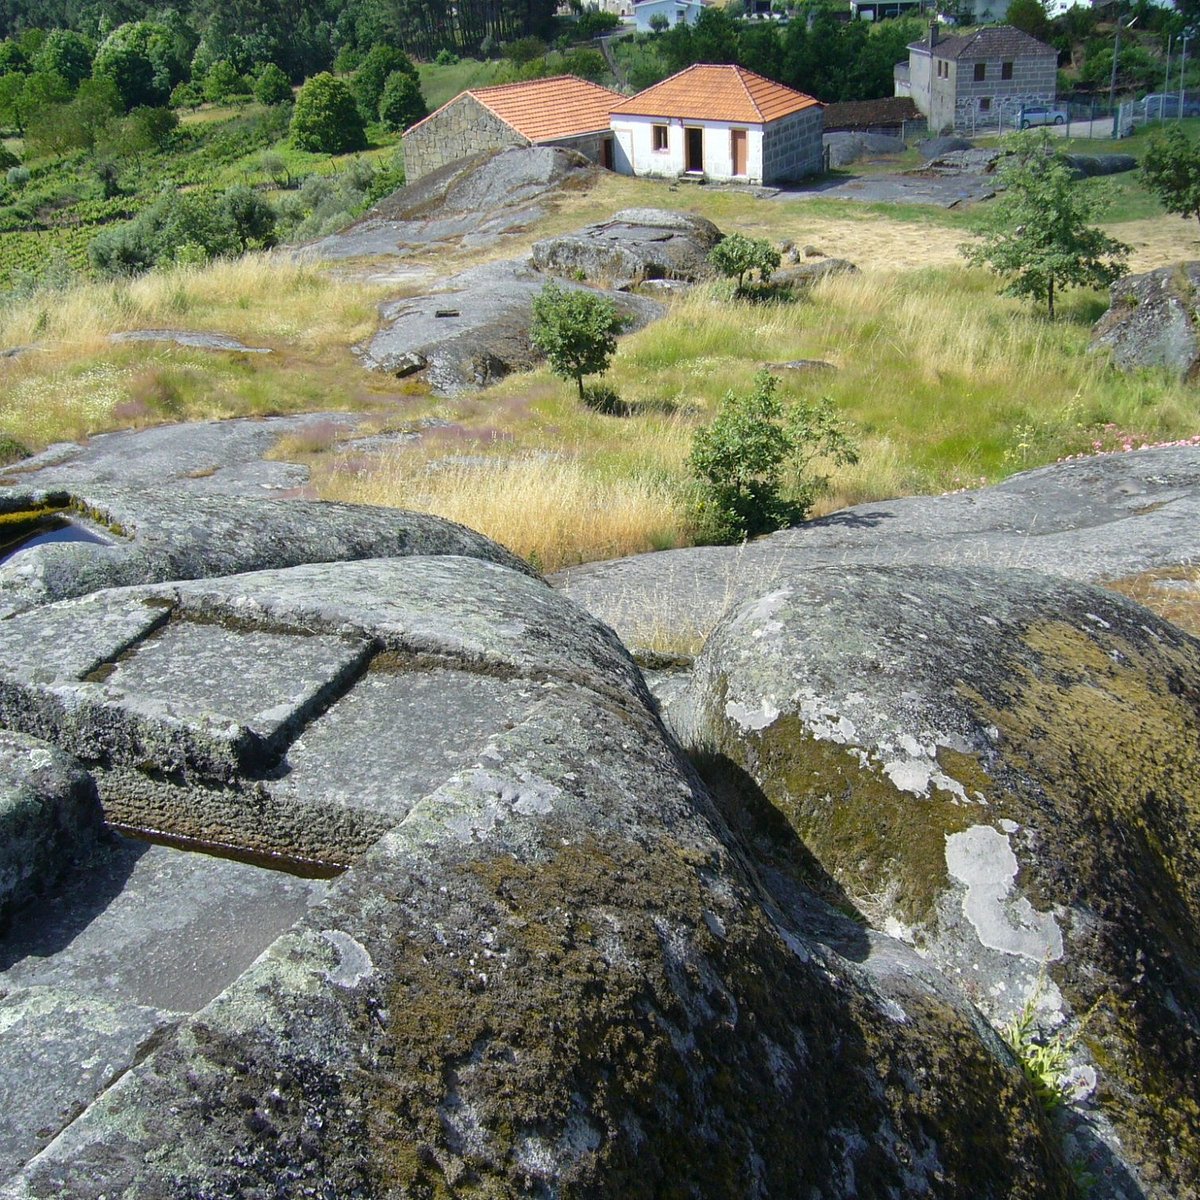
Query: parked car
[1041, 114]
[1161, 106]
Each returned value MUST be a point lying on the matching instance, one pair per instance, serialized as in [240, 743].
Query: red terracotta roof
[545, 109]
[706, 92]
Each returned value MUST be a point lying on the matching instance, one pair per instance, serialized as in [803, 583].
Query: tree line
[301, 37]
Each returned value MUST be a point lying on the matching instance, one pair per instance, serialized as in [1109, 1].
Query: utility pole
[1182, 63]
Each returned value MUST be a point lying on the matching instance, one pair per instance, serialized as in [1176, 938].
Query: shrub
[445, 58]
[223, 81]
[743, 459]
[8, 159]
[186, 95]
[738, 255]
[251, 217]
[594, 22]
[576, 330]
[372, 75]
[401, 104]
[326, 119]
[272, 86]
[17, 177]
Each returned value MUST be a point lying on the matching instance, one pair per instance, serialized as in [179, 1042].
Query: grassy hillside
[948, 384]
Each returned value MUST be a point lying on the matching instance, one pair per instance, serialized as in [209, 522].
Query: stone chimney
[933, 34]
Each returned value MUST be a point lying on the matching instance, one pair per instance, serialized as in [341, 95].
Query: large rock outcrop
[1153, 320]
[549, 970]
[637, 244]
[1003, 770]
[127, 538]
[474, 329]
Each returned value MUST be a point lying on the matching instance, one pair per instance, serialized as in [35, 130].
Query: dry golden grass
[1174, 594]
[260, 298]
[553, 510]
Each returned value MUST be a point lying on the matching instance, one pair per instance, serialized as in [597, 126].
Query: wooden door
[694, 143]
[738, 150]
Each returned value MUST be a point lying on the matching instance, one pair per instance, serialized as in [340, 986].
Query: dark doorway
[606, 154]
[694, 151]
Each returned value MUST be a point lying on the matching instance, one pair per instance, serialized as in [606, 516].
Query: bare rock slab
[1003, 770]
[474, 329]
[636, 245]
[1153, 320]
[150, 536]
[553, 972]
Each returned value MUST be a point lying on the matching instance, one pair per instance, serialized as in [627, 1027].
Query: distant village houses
[712, 122]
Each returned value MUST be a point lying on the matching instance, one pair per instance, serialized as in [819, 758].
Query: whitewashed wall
[635, 153]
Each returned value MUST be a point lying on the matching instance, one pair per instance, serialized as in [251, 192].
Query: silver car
[1041, 114]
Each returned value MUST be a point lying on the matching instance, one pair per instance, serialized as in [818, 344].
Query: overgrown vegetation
[1171, 170]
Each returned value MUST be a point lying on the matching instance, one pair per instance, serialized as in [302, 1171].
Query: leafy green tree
[67, 54]
[1031, 17]
[576, 330]
[326, 119]
[222, 81]
[401, 104]
[272, 86]
[1171, 170]
[738, 255]
[754, 462]
[140, 57]
[593, 22]
[1038, 236]
[13, 60]
[367, 85]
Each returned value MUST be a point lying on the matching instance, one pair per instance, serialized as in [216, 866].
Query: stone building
[721, 123]
[981, 76]
[561, 111]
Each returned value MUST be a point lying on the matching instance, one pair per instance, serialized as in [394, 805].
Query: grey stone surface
[935, 147]
[487, 335]
[470, 202]
[637, 244]
[849, 147]
[1153, 320]
[1002, 769]
[553, 973]
[49, 818]
[806, 273]
[187, 337]
[58, 1052]
[152, 927]
[1095, 518]
[163, 535]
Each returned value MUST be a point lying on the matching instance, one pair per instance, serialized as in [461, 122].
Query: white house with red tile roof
[560, 111]
[720, 123]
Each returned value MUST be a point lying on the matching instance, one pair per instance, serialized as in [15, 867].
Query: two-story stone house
[960, 80]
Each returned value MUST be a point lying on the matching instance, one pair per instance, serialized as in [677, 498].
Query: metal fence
[1089, 118]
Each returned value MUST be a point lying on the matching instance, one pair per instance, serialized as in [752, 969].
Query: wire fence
[1089, 118]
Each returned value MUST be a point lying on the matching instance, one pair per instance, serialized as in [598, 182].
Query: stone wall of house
[792, 147]
[462, 127]
[1034, 81]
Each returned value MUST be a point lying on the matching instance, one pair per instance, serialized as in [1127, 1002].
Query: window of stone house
[660, 137]
[1006, 70]
[985, 104]
[980, 72]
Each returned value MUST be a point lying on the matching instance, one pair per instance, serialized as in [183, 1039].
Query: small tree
[576, 330]
[252, 218]
[754, 461]
[1171, 170]
[272, 86]
[1038, 235]
[738, 255]
[325, 118]
[401, 104]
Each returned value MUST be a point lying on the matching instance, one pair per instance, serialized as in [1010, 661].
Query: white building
[676, 12]
[720, 123]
